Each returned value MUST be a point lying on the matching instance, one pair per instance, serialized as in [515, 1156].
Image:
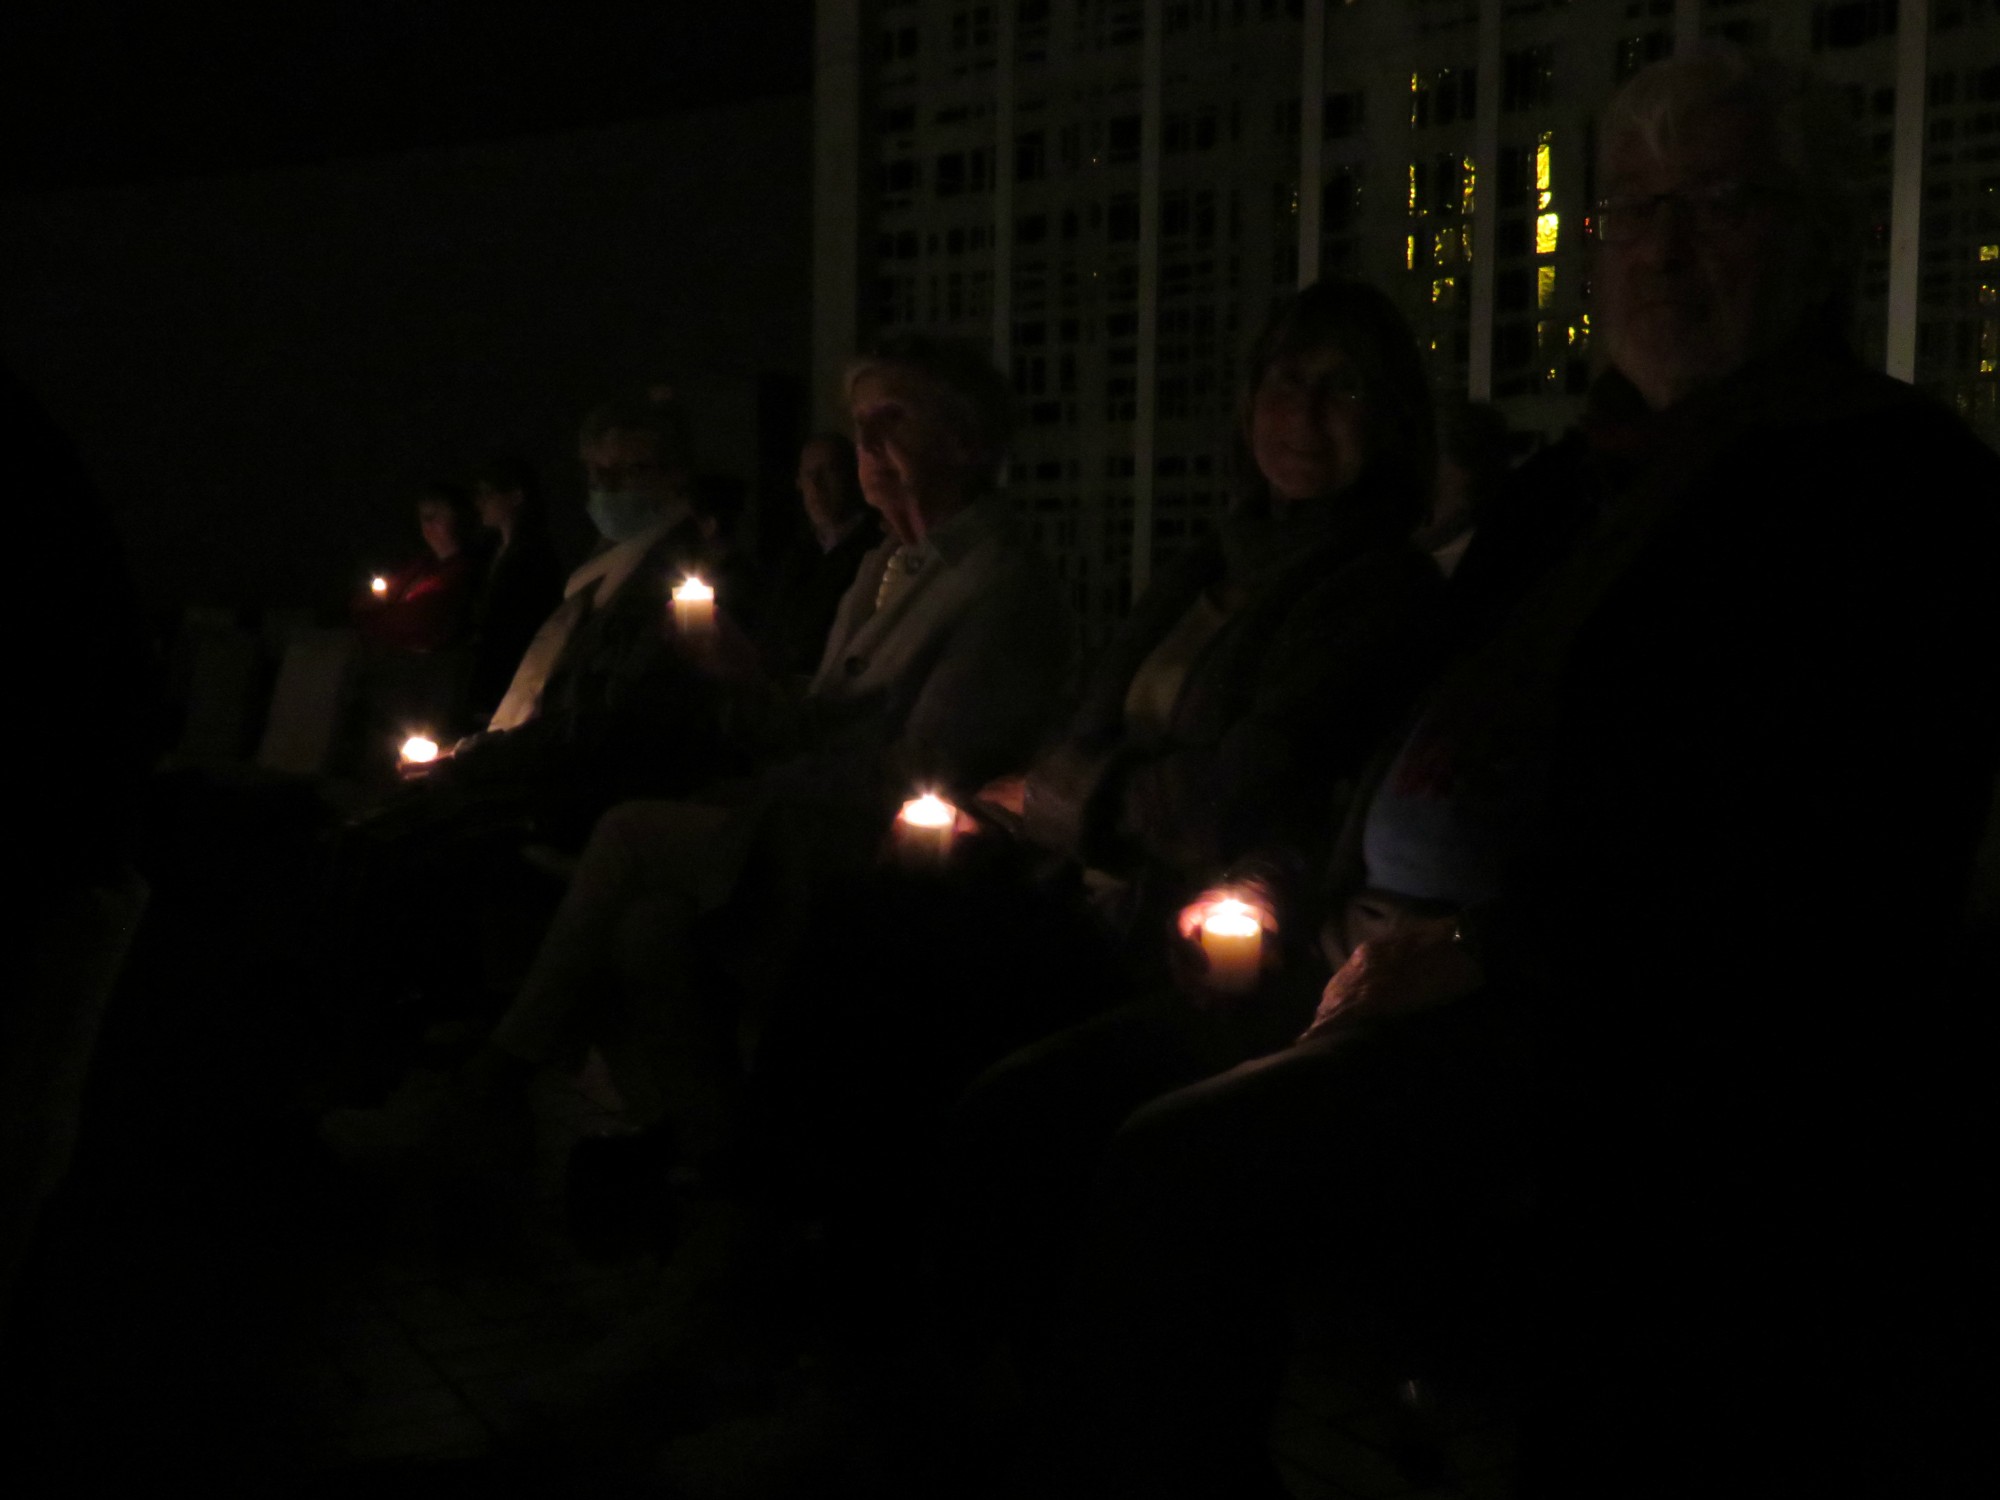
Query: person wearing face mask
[599, 708]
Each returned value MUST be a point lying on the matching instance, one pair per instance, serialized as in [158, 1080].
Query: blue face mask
[620, 515]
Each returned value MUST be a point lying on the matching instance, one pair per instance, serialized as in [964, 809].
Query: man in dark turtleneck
[1657, 919]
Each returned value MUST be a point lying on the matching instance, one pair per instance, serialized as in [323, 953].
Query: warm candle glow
[1232, 919]
[418, 751]
[378, 584]
[694, 608]
[930, 811]
[924, 831]
[1233, 939]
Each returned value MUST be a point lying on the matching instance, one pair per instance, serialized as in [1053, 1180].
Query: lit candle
[378, 585]
[1233, 939]
[924, 829]
[419, 751]
[694, 608]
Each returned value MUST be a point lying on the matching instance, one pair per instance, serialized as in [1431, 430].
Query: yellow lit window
[1444, 291]
[1988, 366]
[1444, 249]
[1542, 165]
[1414, 90]
[1413, 187]
[1989, 252]
[1410, 255]
[1546, 226]
[1545, 286]
[1466, 206]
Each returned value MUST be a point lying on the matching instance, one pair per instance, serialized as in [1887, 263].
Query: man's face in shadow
[1721, 269]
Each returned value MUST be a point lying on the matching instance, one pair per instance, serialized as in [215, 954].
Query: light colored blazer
[958, 678]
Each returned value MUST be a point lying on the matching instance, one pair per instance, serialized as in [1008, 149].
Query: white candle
[694, 608]
[1233, 939]
[923, 831]
[378, 585]
[419, 751]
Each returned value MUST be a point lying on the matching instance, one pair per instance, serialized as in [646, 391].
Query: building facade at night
[1111, 193]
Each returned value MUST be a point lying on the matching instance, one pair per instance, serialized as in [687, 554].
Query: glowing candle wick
[419, 751]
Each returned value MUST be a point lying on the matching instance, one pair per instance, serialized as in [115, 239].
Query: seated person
[415, 624]
[944, 664]
[811, 575]
[599, 707]
[426, 605]
[524, 581]
[1547, 1008]
[1252, 680]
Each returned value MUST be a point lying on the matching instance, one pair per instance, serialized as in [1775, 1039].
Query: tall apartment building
[1112, 193]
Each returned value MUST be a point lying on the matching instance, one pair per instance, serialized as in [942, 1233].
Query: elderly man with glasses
[1650, 1115]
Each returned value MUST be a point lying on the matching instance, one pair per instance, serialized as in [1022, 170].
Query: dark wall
[261, 368]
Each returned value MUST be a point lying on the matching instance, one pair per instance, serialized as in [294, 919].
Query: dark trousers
[1372, 1183]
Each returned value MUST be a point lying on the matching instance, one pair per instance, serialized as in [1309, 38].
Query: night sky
[95, 92]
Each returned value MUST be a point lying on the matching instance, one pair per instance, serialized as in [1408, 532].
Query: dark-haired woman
[1212, 743]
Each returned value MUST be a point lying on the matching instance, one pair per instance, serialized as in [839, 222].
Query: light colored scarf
[591, 586]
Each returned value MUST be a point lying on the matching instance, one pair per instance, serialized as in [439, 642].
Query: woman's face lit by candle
[1309, 425]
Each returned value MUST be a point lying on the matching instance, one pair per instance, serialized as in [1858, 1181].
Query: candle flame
[418, 751]
[929, 811]
[1232, 918]
[378, 584]
[693, 590]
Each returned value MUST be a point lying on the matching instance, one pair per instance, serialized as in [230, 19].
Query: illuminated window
[1445, 247]
[1466, 188]
[1410, 255]
[1542, 166]
[1545, 286]
[1444, 291]
[1989, 252]
[1413, 187]
[1546, 226]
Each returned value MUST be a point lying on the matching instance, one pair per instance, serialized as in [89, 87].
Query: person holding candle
[427, 604]
[599, 707]
[944, 665]
[1244, 697]
[1563, 1128]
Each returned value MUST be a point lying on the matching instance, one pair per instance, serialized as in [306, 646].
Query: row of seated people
[444, 632]
[1607, 892]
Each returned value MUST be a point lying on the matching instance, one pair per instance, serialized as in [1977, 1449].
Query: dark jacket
[523, 583]
[622, 715]
[1328, 642]
[807, 589]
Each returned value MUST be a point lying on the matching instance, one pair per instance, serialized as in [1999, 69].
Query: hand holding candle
[694, 609]
[1230, 924]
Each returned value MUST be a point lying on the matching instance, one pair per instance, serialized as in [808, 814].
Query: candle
[378, 585]
[1234, 942]
[419, 751]
[923, 831]
[694, 608]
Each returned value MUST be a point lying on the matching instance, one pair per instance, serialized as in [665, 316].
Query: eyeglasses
[1705, 210]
